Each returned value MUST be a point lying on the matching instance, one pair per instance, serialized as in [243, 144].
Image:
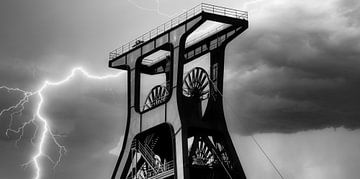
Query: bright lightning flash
[46, 131]
[156, 10]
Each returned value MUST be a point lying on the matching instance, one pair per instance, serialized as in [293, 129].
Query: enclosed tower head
[175, 125]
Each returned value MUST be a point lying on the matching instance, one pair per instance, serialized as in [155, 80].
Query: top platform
[203, 7]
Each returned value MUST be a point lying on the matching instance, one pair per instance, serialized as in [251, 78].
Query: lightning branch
[44, 130]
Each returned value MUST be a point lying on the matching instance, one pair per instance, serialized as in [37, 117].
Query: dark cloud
[296, 68]
[89, 115]
[43, 40]
[92, 120]
[46, 38]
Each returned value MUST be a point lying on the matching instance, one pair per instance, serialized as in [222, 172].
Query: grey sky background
[292, 80]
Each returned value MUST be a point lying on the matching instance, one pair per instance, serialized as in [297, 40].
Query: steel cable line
[252, 136]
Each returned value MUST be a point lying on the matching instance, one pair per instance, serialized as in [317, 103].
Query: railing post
[175, 21]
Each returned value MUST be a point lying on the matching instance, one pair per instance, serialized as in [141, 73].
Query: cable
[272, 163]
[252, 136]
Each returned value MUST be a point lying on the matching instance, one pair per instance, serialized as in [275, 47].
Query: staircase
[156, 171]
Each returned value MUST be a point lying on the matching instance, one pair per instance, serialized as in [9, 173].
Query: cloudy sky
[292, 81]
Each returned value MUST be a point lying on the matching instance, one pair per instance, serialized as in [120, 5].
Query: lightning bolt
[18, 108]
[248, 3]
[157, 10]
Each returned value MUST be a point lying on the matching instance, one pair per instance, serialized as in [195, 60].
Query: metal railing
[203, 7]
[149, 62]
[167, 171]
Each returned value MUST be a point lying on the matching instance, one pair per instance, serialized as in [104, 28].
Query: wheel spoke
[156, 96]
[204, 86]
[187, 84]
[196, 82]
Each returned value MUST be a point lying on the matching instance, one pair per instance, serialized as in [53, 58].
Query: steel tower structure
[179, 129]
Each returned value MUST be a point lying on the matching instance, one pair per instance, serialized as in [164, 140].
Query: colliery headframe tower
[175, 125]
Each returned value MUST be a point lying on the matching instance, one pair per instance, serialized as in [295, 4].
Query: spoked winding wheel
[156, 96]
[203, 156]
[196, 84]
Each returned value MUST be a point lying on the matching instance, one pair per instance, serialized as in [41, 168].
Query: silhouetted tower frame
[171, 124]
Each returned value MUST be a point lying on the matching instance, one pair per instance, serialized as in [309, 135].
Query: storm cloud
[86, 115]
[296, 68]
